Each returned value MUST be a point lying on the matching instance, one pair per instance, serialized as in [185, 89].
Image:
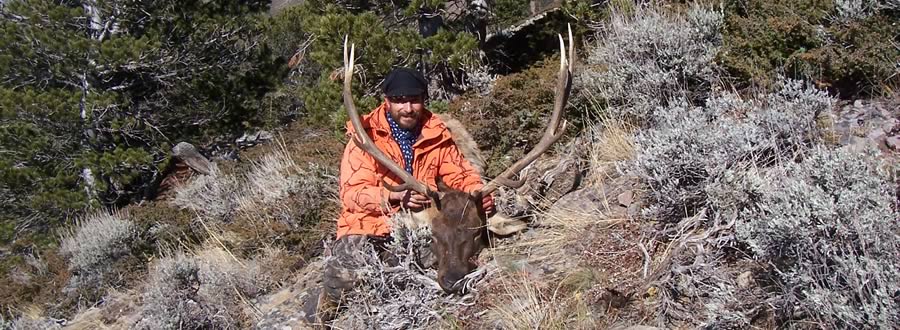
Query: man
[419, 142]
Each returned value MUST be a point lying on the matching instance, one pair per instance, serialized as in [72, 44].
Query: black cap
[405, 82]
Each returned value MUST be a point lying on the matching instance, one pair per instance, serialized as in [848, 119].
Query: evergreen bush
[385, 37]
[94, 94]
[846, 46]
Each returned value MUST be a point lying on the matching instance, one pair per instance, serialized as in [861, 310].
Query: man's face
[406, 110]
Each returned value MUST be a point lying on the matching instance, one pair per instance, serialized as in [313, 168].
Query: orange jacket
[364, 202]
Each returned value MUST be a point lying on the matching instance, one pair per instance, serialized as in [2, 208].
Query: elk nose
[451, 284]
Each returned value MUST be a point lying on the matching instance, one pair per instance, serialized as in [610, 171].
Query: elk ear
[439, 182]
[502, 225]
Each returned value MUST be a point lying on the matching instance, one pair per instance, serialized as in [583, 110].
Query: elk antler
[364, 142]
[555, 128]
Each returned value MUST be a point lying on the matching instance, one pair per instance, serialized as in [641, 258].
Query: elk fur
[464, 141]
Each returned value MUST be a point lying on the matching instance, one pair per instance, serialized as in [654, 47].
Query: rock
[189, 154]
[583, 200]
[745, 279]
[511, 203]
[548, 180]
[893, 142]
[891, 126]
[253, 138]
[634, 210]
[860, 144]
[626, 198]
[287, 308]
[875, 135]
[555, 178]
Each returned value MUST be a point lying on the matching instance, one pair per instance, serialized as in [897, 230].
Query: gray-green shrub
[94, 244]
[828, 227]
[644, 60]
[691, 146]
[207, 290]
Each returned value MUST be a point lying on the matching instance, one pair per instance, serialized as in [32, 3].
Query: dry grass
[559, 227]
[556, 300]
[211, 195]
[270, 179]
[611, 140]
[825, 123]
[282, 202]
[526, 303]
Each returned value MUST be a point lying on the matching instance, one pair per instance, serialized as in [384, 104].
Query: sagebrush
[644, 60]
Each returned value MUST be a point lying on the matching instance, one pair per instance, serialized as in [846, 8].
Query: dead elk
[458, 221]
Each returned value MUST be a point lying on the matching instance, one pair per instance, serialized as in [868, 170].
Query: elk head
[458, 221]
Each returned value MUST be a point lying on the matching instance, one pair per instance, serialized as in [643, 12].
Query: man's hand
[409, 199]
[487, 203]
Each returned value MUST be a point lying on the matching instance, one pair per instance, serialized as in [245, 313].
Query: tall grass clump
[276, 187]
[284, 204]
[523, 303]
[270, 178]
[209, 195]
[644, 59]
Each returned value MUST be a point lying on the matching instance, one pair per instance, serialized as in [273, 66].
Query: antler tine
[556, 126]
[362, 139]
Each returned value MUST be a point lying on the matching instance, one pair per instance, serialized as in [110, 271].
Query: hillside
[730, 165]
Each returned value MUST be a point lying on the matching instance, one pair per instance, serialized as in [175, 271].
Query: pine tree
[386, 35]
[94, 93]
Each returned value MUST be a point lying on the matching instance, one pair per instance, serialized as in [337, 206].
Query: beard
[406, 121]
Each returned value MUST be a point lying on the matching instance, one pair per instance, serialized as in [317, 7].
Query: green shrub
[848, 49]
[511, 119]
[99, 108]
[507, 13]
[385, 37]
